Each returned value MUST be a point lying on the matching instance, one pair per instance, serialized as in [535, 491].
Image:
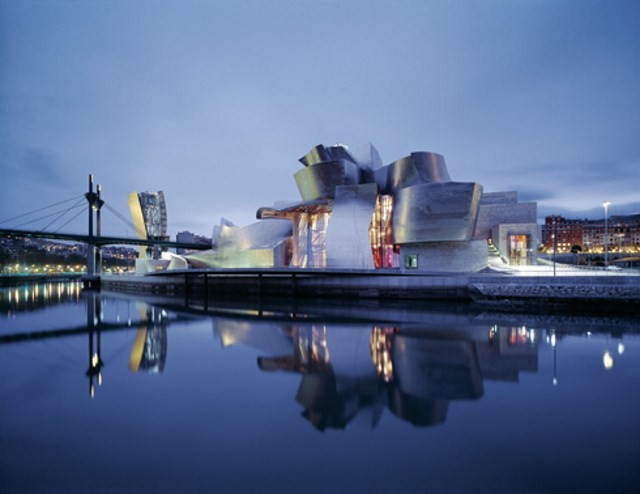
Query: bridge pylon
[94, 254]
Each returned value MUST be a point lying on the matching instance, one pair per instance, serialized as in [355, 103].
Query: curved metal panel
[320, 180]
[318, 154]
[234, 258]
[322, 154]
[136, 214]
[348, 243]
[435, 212]
[261, 234]
[417, 168]
[341, 152]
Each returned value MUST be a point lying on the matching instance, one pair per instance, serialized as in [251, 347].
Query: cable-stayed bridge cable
[40, 209]
[69, 220]
[63, 213]
[43, 217]
[122, 218]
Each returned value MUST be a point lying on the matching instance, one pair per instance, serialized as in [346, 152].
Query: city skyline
[213, 103]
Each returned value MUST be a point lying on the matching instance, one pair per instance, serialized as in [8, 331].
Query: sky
[213, 102]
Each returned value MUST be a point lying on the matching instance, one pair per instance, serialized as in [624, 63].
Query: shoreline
[593, 291]
[490, 289]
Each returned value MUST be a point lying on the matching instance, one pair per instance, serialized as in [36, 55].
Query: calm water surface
[107, 393]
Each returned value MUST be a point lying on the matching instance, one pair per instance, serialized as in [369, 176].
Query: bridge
[100, 241]
[94, 239]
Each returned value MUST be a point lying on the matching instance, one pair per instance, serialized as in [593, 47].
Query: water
[107, 393]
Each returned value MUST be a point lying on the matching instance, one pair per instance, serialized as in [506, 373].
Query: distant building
[562, 232]
[149, 212]
[622, 233]
[191, 238]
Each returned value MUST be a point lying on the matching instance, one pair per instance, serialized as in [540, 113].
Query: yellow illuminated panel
[137, 350]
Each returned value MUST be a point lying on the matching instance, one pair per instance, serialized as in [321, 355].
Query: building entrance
[519, 249]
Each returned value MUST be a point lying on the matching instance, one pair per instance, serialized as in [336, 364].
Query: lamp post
[606, 205]
[553, 239]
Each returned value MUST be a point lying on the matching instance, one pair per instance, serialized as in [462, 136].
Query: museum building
[355, 213]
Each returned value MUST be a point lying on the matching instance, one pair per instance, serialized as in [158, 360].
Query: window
[380, 236]
[411, 261]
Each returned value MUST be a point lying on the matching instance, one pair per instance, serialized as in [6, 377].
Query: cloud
[214, 102]
[528, 194]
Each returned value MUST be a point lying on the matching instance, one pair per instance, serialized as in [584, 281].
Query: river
[105, 392]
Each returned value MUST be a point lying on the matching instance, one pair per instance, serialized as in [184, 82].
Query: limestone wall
[446, 256]
[490, 215]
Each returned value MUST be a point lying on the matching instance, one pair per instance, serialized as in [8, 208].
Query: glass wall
[519, 249]
[310, 240]
[380, 235]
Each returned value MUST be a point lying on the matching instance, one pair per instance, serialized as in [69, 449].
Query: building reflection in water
[349, 374]
[149, 349]
[149, 352]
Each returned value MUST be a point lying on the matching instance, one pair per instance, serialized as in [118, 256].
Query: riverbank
[490, 288]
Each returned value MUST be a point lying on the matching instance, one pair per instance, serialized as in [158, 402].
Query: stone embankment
[558, 291]
[476, 287]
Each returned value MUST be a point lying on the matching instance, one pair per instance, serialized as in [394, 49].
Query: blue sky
[213, 102]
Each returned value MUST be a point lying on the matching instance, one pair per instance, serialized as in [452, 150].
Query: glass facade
[519, 249]
[381, 235]
[310, 240]
[154, 212]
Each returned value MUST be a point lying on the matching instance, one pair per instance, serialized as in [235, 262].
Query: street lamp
[553, 240]
[606, 205]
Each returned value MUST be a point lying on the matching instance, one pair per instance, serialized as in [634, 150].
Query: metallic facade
[417, 168]
[354, 213]
[348, 243]
[437, 212]
[319, 181]
[260, 245]
[409, 203]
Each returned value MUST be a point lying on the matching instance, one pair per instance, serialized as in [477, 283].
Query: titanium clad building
[355, 213]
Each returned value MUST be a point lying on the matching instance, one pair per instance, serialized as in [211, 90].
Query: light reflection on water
[309, 398]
